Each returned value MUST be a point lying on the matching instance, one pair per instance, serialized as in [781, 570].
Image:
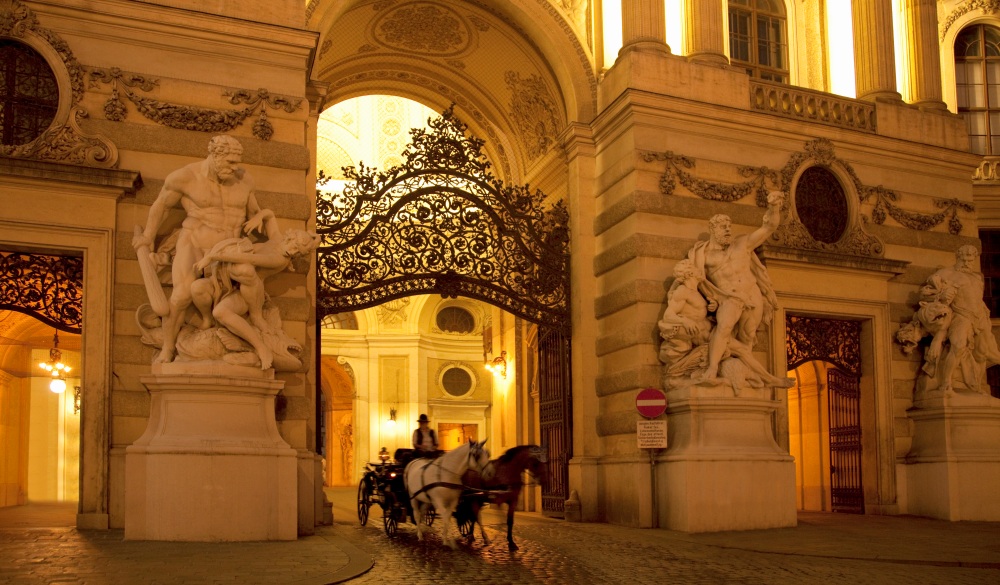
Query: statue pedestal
[953, 466]
[211, 465]
[723, 469]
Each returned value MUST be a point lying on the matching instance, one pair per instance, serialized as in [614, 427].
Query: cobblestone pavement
[823, 548]
[554, 552]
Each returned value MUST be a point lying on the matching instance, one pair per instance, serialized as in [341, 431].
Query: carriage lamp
[498, 365]
[56, 367]
[383, 455]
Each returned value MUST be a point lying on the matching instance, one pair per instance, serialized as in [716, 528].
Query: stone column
[644, 26]
[874, 61]
[706, 41]
[925, 60]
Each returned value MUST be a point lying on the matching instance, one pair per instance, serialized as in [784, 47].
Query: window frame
[753, 15]
[990, 113]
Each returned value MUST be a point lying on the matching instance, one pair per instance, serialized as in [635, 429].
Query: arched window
[346, 320]
[455, 320]
[977, 80]
[757, 38]
[29, 94]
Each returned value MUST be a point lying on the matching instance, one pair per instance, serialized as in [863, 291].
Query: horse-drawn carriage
[459, 483]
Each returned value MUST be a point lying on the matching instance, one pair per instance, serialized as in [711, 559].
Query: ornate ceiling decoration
[534, 112]
[424, 28]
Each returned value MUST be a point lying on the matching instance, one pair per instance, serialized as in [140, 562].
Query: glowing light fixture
[392, 417]
[498, 365]
[55, 367]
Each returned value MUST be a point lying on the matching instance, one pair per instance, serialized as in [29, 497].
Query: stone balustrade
[809, 105]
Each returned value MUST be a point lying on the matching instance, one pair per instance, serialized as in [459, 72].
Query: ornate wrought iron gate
[839, 343]
[845, 442]
[47, 287]
[442, 223]
[555, 410]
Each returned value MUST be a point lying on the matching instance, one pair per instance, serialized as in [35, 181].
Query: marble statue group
[217, 261]
[954, 317]
[720, 295]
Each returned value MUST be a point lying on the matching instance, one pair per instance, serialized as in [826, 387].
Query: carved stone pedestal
[953, 468]
[211, 465]
[723, 469]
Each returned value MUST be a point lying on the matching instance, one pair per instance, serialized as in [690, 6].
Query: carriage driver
[425, 441]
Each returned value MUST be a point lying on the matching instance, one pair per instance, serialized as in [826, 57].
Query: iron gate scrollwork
[555, 410]
[47, 287]
[839, 343]
[442, 223]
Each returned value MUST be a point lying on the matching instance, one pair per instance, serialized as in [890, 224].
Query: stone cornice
[120, 181]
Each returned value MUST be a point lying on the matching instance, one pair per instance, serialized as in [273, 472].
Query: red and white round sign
[651, 402]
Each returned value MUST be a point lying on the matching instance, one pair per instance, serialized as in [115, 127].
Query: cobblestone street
[553, 551]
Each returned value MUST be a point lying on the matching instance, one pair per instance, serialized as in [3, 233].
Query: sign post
[652, 434]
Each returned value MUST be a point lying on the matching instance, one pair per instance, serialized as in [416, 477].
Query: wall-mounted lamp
[392, 417]
[498, 365]
[56, 367]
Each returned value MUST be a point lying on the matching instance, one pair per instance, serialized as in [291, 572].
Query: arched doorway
[824, 413]
[40, 380]
[441, 223]
[337, 422]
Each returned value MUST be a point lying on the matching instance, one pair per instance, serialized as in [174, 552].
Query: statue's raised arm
[772, 219]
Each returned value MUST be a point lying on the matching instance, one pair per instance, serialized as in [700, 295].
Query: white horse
[438, 483]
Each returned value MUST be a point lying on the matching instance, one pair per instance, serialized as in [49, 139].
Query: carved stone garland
[63, 141]
[835, 341]
[442, 223]
[988, 7]
[189, 117]
[49, 288]
[792, 233]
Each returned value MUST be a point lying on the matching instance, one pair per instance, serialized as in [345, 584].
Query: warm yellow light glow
[674, 10]
[612, 18]
[57, 385]
[899, 36]
[841, 46]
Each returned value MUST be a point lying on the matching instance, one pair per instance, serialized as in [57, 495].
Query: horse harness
[447, 484]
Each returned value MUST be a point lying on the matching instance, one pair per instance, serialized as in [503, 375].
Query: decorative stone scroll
[534, 113]
[63, 141]
[988, 7]
[189, 117]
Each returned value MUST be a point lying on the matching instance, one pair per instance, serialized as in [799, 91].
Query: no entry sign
[651, 402]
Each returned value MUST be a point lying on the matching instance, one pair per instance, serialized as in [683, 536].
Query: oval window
[821, 205]
[456, 381]
[29, 94]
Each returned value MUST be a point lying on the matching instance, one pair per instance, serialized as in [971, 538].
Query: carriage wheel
[363, 503]
[429, 517]
[389, 523]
